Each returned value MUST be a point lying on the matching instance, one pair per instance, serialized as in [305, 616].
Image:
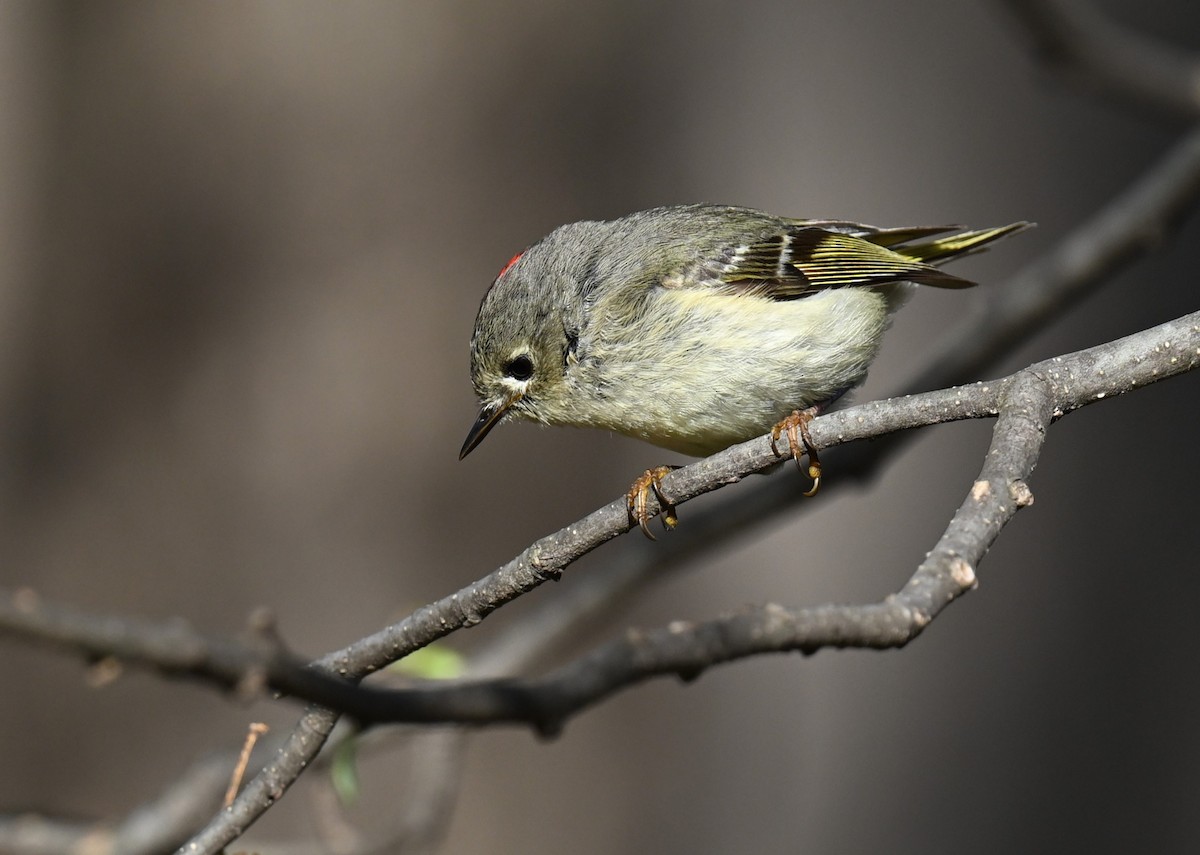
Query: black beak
[489, 417]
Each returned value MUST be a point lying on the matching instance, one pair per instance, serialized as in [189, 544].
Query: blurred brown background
[243, 246]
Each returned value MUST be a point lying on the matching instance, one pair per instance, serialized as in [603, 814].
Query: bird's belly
[717, 369]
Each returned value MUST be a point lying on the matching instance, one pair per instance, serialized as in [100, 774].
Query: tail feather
[957, 245]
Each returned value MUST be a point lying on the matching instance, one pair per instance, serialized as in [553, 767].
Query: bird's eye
[519, 367]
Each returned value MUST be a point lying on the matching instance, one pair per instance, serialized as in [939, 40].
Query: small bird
[695, 327]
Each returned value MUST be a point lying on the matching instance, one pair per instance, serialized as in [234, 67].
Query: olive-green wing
[807, 258]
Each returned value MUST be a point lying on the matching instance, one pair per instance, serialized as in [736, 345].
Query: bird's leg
[639, 493]
[796, 428]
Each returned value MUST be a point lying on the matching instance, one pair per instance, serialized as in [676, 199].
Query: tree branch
[1083, 46]
[1024, 402]
[1127, 228]
[155, 827]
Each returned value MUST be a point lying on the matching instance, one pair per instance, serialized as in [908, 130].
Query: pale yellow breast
[697, 370]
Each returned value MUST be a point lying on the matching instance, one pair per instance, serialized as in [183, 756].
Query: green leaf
[435, 662]
[343, 771]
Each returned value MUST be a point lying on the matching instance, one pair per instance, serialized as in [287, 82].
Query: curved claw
[796, 428]
[814, 472]
[638, 497]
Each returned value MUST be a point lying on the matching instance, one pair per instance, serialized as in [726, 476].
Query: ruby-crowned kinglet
[696, 327]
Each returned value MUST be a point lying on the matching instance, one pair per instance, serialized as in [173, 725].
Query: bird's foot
[800, 443]
[639, 494]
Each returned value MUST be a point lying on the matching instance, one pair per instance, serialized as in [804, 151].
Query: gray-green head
[527, 333]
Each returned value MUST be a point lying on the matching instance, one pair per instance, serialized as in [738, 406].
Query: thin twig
[256, 730]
